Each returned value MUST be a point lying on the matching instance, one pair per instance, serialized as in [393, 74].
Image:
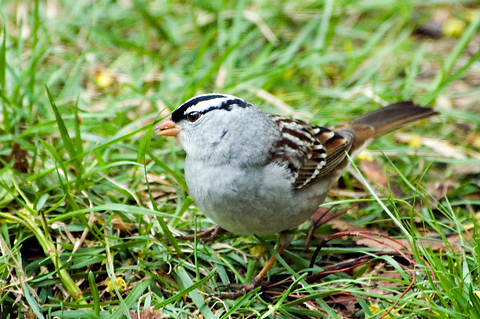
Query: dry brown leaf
[322, 215]
[337, 192]
[442, 147]
[118, 223]
[19, 156]
[467, 169]
[440, 189]
[158, 178]
[147, 313]
[345, 226]
[435, 244]
[398, 243]
[373, 170]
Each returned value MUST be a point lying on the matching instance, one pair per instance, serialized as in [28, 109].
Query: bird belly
[245, 202]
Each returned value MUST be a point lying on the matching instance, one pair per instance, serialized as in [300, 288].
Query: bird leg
[323, 216]
[257, 281]
[317, 219]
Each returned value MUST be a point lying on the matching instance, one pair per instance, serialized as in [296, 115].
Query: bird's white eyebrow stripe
[204, 103]
[200, 98]
[207, 105]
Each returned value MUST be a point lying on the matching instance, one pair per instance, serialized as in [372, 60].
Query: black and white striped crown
[206, 102]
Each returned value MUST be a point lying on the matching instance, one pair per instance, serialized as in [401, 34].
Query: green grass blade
[134, 210]
[189, 88]
[132, 298]
[449, 80]
[79, 314]
[144, 145]
[189, 288]
[153, 21]
[474, 302]
[187, 283]
[163, 225]
[64, 185]
[3, 60]
[31, 301]
[412, 72]
[454, 56]
[78, 146]
[34, 61]
[299, 40]
[321, 38]
[67, 141]
[355, 68]
[3, 67]
[57, 158]
[94, 292]
[167, 169]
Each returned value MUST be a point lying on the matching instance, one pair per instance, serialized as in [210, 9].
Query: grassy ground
[91, 202]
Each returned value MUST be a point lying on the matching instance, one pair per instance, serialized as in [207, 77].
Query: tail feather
[391, 117]
[385, 120]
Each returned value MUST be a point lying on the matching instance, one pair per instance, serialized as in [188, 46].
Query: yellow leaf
[476, 142]
[453, 27]
[103, 80]
[472, 15]
[415, 141]
[257, 250]
[365, 155]
[119, 282]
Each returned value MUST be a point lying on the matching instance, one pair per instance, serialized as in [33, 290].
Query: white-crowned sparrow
[256, 173]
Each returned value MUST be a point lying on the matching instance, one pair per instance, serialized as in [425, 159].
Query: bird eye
[193, 116]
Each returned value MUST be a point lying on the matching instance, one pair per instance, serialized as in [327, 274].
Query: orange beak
[167, 128]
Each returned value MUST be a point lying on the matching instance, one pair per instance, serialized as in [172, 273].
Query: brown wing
[337, 144]
[309, 152]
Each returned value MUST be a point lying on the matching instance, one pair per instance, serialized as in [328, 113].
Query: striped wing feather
[309, 152]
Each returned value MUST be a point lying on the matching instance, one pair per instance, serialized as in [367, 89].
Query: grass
[91, 202]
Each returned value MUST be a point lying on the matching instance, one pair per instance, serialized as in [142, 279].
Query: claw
[209, 234]
[240, 291]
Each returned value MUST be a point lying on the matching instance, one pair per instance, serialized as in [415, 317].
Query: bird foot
[207, 235]
[239, 290]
